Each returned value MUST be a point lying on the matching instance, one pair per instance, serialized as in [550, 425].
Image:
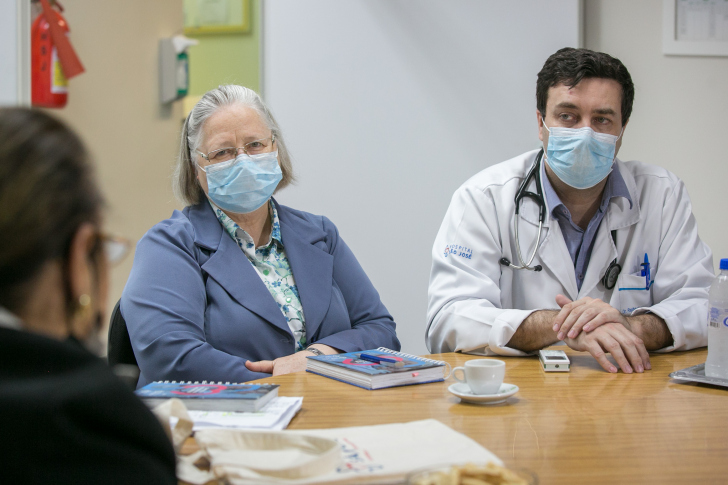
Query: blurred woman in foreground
[65, 417]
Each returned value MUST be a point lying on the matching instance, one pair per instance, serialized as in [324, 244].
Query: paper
[702, 20]
[274, 416]
[207, 13]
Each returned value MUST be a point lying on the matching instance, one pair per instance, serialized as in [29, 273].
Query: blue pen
[376, 358]
[381, 360]
[646, 272]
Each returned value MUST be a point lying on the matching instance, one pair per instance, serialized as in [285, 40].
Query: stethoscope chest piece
[610, 277]
[613, 270]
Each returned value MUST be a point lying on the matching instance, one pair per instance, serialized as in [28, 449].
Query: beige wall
[679, 119]
[115, 107]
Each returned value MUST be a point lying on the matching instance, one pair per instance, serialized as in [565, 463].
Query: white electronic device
[554, 360]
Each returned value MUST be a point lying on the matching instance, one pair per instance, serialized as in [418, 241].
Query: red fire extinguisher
[49, 84]
[53, 59]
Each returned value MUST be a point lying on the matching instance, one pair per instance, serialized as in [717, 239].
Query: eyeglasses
[115, 248]
[254, 147]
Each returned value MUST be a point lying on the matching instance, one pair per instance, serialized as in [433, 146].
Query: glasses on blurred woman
[115, 248]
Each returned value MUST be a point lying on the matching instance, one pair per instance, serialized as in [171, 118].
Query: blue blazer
[197, 310]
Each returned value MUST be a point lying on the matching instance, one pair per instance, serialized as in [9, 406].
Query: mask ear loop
[186, 133]
[543, 122]
[185, 141]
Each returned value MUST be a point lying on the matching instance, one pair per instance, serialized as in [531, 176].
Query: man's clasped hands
[591, 325]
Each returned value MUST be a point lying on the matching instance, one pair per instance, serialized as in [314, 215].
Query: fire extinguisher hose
[69, 60]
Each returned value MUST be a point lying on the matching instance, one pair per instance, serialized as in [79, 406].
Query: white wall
[679, 118]
[389, 105]
[15, 52]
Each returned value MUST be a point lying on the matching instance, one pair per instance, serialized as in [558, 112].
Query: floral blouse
[271, 264]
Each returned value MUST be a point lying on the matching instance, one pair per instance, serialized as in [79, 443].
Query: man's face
[594, 102]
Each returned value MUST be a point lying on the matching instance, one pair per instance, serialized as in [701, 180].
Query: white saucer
[465, 394]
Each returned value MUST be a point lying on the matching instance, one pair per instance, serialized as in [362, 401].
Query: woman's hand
[290, 363]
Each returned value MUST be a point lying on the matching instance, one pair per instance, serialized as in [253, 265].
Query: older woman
[236, 286]
[65, 417]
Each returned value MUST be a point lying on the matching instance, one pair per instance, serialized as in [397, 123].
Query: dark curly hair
[569, 66]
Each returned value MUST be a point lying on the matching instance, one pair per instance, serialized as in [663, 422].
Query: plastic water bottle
[717, 363]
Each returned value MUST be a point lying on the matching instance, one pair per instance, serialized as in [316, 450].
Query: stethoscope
[609, 280]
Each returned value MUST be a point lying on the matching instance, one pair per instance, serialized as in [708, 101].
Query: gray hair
[185, 184]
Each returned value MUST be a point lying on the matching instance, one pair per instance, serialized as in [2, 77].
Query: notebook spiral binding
[410, 356]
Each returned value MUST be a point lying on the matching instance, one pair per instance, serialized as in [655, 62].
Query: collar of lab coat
[305, 247]
[620, 211]
[553, 251]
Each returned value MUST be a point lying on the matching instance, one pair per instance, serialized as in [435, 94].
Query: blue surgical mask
[580, 157]
[245, 183]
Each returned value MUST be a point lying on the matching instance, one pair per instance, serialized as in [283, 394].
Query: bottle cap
[724, 264]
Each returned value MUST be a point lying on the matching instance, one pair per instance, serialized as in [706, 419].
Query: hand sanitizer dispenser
[174, 77]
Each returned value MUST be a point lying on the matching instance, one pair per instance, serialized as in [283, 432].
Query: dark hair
[569, 66]
[47, 190]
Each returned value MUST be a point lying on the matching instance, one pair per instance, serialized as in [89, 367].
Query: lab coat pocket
[631, 298]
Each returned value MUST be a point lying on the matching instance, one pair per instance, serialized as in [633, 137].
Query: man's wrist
[640, 324]
[535, 332]
[652, 330]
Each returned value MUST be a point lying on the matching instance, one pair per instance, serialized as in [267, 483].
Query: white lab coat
[475, 304]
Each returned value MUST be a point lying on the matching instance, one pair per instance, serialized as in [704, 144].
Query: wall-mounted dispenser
[174, 79]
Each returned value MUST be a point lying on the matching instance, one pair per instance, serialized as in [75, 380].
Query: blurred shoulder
[58, 390]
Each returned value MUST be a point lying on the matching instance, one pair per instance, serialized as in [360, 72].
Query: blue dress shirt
[579, 241]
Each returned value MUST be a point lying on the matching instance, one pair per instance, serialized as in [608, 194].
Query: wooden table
[586, 426]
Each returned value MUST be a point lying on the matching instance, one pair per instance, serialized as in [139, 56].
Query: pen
[378, 359]
[646, 272]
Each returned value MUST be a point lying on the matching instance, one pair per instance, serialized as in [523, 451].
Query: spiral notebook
[378, 368]
[209, 396]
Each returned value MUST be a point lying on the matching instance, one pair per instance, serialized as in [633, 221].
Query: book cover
[352, 361]
[210, 396]
[189, 390]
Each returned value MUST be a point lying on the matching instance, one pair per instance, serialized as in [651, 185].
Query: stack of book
[209, 396]
[377, 369]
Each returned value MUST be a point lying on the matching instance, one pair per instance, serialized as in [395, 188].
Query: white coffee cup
[484, 376]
